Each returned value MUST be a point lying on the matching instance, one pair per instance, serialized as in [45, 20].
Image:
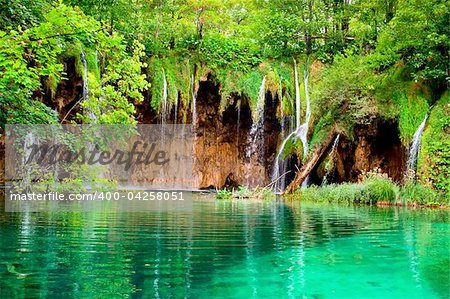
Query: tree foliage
[32, 55]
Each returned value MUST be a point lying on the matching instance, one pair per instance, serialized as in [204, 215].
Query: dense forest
[369, 71]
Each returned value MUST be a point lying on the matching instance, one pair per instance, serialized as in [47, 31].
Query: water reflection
[227, 249]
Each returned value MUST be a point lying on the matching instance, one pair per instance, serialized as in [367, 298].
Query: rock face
[376, 146]
[221, 153]
[222, 145]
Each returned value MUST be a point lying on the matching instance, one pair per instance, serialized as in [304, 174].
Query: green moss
[228, 81]
[93, 65]
[434, 159]
[171, 77]
[273, 82]
[250, 85]
[178, 72]
[342, 94]
[156, 74]
[293, 145]
[322, 129]
[232, 82]
[286, 75]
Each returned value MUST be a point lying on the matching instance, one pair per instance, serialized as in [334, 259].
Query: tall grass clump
[374, 188]
[415, 193]
[343, 193]
[378, 187]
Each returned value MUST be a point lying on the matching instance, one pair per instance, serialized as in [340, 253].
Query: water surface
[227, 249]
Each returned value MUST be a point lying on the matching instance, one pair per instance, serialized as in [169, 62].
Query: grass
[373, 190]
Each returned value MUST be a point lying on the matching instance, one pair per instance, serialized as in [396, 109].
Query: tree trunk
[306, 169]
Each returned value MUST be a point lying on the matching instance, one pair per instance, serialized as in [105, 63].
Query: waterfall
[85, 95]
[85, 76]
[308, 103]
[256, 136]
[301, 130]
[175, 112]
[238, 104]
[28, 142]
[85, 90]
[279, 165]
[194, 104]
[27, 146]
[415, 147]
[278, 184]
[297, 97]
[258, 118]
[330, 159]
[164, 107]
[303, 133]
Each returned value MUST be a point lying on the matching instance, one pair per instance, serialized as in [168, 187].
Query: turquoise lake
[228, 249]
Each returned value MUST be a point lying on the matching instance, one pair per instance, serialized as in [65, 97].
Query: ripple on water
[227, 249]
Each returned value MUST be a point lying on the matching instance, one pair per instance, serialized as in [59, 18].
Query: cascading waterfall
[175, 116]
[194, 102]
[303, 133]
[330, 159]
[238, 122]
[164, 107]
[259, 117]
[280, 166]
[301, 130]
[28, 141]
[257, 130]
[415, 147]
[85, 90]
[85, 95]
[297, 97]
[85, 76]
